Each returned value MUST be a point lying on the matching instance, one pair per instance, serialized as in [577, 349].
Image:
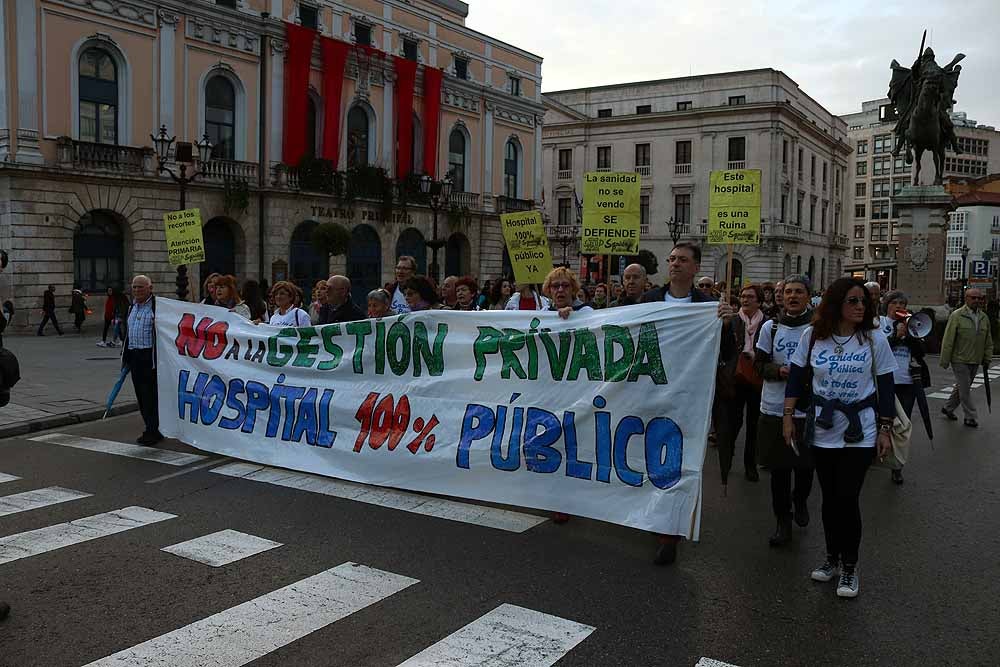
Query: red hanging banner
[432, 118]
[406, 79]
[334, 62]
[297, 64]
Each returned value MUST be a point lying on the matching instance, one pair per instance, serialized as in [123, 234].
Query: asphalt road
[930, 572]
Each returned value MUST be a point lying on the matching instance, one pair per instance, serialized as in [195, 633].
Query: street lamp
[965, 256]
[676, 228]
[438, 195]
[183, 155]
[565, 235]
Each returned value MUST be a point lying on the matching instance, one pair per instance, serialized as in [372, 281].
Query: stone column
[168, 38]
[488, 156]
[277, 92]
[28, 78]
[923, 217]
[537, 196]
[4, 115]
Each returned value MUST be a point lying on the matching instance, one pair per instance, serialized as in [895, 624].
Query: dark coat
[48, 301]
[345, 312]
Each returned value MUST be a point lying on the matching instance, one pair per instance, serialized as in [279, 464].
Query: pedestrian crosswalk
[222, 548]
[30, 500]
[121, 449]
[7, 478]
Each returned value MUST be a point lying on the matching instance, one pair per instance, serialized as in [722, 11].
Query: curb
[55, 421]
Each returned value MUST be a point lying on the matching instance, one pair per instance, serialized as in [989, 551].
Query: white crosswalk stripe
[7, 478]
[50, 538]
[222, 548]
[442, 508]
[243, 633]
[30, 500]
[120, 449]
[508, 635]
[709, 662]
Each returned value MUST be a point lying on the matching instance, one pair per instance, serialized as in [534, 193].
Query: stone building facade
[83, 85]
[875, 176]
[675, 132]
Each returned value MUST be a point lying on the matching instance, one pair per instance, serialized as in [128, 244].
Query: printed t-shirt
[902, 353]
[294, 317]
[845, 376]
[399, 305]
[781, 345]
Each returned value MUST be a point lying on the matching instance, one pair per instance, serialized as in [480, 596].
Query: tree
[648, 261]
[331, 239]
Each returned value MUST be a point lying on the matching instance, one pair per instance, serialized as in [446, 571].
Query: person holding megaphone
[908, 348]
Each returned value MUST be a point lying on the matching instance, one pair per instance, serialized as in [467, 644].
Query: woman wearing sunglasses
[847, 363]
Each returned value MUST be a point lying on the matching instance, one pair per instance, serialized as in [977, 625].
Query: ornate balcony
[737, 164]
[87, 156]
[469, 200]
[513, 205]
[223, 170]
[682, 169]
[643, 169]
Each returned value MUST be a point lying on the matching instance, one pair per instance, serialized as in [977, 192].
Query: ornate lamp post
[438, 195]
[565, 235]
[183, 156]
[676, 228]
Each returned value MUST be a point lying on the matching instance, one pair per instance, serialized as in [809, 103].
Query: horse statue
[922, 99]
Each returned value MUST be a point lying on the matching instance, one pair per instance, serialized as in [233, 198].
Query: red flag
[406, 79]
[432, 118]
[297, 64]
[334, 62]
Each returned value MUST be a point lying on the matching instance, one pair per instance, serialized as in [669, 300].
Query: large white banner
[604, 415]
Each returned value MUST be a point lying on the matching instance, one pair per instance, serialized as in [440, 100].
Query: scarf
[750, 324]
[795, 320]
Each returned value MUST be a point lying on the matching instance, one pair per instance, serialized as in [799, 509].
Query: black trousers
[907, 396]
[104, 336]
[841, 474]
[49, 315]
[144, 382]
[784, 465]
[747, 402]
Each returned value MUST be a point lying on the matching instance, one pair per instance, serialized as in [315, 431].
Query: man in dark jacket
[339, 306]
[633, 280]
[49, 311]
[685, 262]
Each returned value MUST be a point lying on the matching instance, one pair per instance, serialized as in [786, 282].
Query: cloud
[838, 53]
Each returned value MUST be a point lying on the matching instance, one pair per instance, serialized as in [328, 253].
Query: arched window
[358, 137]
[812, 269]
[798, 264]
[822, 273]
[456, 159]
[511, 166]
[98, 252]
[98, 97]
[786, 266]
[311, 116]
[220, 117]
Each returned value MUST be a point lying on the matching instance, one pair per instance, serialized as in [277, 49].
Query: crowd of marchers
[816, 379]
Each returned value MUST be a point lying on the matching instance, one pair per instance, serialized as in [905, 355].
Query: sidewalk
[64, 380]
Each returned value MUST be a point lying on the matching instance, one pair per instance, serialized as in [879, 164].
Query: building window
[231, 4]
[880, 188]
[971, 146]
[881, 166]
[955, 242]
[410, 51]
[644, 108]
[456, 159]
[880, 210]
[358, 137]
[812, 168]
[784, 207]
[800, 163]
[899, 166]
[220, 117]
[822, 219]
[862, 148]
[98, 90]
[644, 214]
[798, 264]
[735, 100]
[898, 184]
[511, 166]
[882, 144]
[98, 253]
[880, 232]
[860, 211]
[461, 68]
[860, 189]
[686, 105]
[565, 208]
[859, 232]
[953, 269]
[565, 162]
[642, 155]
[996, 222]
[682, 209]
[858, 252]
[308, 16]
[682, 152]
[515, 85]
[812, 214]
[824, 175]
[861, 168]
[798, 210]
[737, 149]
[604, 113]
[604, 157]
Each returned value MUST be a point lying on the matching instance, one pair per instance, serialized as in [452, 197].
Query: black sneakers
[666, 553]
[949, 414]
[801, 514]
[783, 532]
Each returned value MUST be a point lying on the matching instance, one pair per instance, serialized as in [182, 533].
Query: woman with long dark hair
[848, 364]
[421, 294]
[253, 296]
[502, 290]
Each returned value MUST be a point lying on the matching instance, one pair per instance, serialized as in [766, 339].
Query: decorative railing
[643, 170]
[513, 204]
[223, 170]
[565, 173]
[87, 156]
[682, 169]
[469, 200]
[737, 164]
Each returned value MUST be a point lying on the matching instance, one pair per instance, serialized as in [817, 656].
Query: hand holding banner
[527, 245]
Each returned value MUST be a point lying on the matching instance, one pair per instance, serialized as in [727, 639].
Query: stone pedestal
[923, 219]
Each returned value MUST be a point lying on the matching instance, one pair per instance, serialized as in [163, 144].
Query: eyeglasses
[560, 285]
[855, 300]
[705, 285]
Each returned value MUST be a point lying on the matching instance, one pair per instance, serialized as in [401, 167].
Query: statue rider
[905, 88]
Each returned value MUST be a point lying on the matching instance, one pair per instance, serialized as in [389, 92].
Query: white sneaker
[101, 343]
[849, 584]
[825, 572]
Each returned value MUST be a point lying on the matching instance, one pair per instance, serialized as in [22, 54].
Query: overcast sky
[837, 51]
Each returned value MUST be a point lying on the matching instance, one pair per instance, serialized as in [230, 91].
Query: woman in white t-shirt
[287, 313]
[851, 368]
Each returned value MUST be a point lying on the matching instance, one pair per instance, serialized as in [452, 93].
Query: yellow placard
[736, 225]
[185, 244]
[610, 213]
[734, 207]
[527, 246]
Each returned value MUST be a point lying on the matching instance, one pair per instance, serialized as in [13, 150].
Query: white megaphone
[918, 325]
